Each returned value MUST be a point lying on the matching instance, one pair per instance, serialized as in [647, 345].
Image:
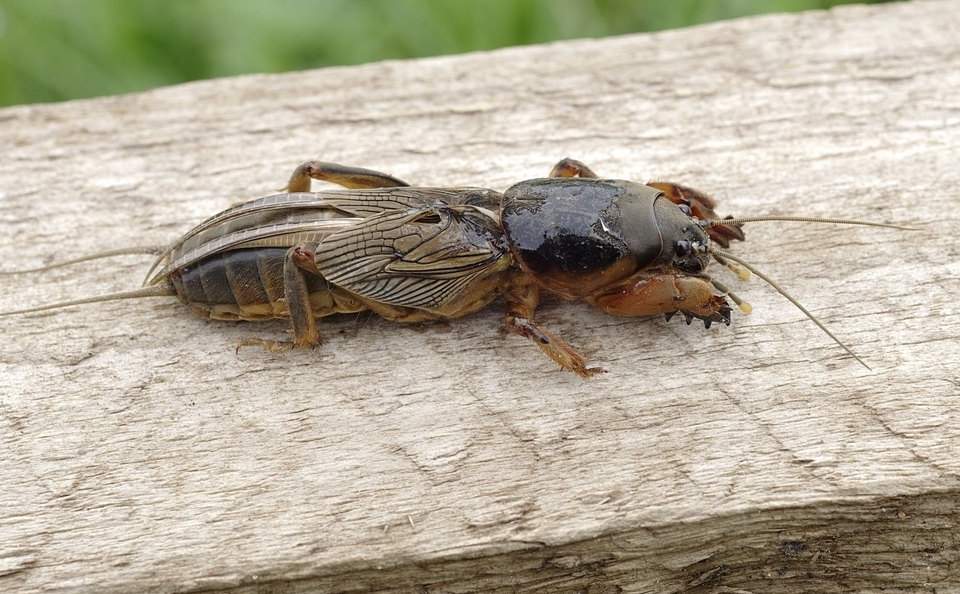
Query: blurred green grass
[53, 50]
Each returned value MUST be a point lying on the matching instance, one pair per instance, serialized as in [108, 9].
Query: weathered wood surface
[139, 453]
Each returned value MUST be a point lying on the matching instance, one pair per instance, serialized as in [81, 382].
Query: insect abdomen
[239, 285]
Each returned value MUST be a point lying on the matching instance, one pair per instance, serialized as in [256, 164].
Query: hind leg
[342, 175]
[298, 262]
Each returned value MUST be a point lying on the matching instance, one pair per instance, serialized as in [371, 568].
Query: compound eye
[682, 248]
[685, 209]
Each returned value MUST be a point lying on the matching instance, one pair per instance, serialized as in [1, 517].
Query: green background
[52, 50]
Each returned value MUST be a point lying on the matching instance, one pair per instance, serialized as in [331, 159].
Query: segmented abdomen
[242, 284]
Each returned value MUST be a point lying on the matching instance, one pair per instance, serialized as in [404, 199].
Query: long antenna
[705, 223]
[789, 298]
[147, 249]
[152, 291]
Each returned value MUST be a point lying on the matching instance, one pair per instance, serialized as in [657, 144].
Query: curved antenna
[152, 291]
[789, 298]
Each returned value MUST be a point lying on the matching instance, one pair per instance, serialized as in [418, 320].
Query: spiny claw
[722, 315]
[725, 314]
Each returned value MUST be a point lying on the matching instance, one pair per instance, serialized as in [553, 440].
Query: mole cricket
[417, 254]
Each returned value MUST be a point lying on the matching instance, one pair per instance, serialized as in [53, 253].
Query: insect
[416, 254]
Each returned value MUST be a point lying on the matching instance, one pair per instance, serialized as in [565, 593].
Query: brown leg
[522, 295]
[348, 177]
[297, 263]
[571, 168]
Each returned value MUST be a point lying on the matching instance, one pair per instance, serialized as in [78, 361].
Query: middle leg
[522, 295]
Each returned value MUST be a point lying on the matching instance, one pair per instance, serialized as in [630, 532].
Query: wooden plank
[139, 453]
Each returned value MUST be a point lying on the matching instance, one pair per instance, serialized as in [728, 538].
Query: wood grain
[139, 453]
